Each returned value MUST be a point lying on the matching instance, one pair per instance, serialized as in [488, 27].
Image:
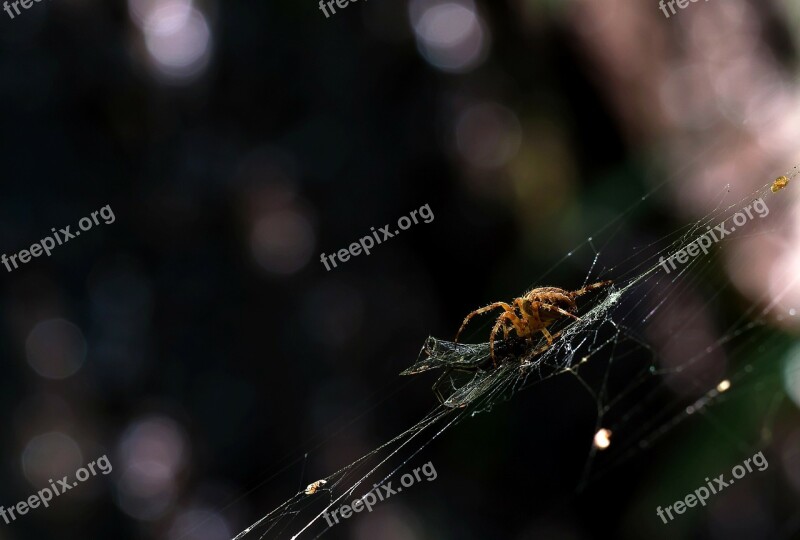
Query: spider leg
[547, 335]
[519, 324]
[530, 312]
[506, 328]
[546, 346]
[590, 288]
[540, 350]
[484, 309]
[551, 308]
[502, 321]
[539, 324]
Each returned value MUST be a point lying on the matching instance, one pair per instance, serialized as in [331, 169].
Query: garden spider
[532, 312]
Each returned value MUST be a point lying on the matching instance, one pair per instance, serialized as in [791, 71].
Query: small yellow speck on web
[780, 183]
[723, 385]
[314, 487]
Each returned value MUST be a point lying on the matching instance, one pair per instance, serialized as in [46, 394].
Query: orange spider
[532, 312]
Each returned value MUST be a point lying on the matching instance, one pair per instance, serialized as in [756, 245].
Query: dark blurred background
[199, 342]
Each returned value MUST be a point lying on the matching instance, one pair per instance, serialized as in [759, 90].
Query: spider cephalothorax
[533, 312]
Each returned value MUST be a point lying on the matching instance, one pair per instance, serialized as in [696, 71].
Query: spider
[533, 312]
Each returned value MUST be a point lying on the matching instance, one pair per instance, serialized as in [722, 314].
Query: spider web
[607, 351]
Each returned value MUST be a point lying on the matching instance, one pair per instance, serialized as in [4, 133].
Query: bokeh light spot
[199, 525]
[488, 135]
[282, 241]
[49, 457]
[153, 451]
[450, 35]
[56, 349]
[178, 39]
